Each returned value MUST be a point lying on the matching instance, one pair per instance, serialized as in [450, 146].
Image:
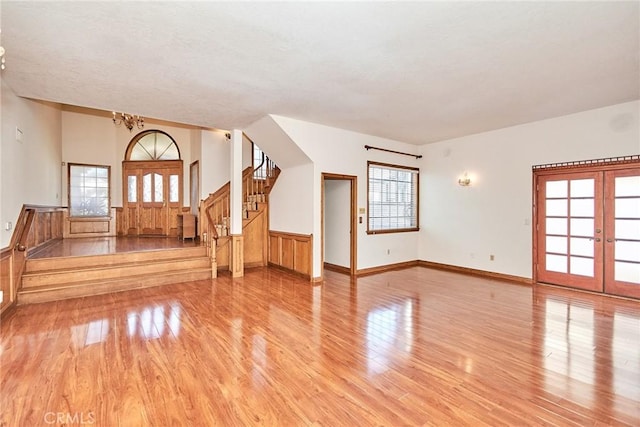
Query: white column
[237, 248]
[236, 182]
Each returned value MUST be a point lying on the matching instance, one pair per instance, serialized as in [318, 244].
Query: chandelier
[129, 120]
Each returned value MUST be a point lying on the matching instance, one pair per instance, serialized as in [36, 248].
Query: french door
[152, 196]
[588, 230]
[622, 242]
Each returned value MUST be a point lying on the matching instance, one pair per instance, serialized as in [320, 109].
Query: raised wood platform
[81, 267]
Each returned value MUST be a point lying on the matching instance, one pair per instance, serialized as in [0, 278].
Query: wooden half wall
[36, 226]
[89, 227]
[292, 252]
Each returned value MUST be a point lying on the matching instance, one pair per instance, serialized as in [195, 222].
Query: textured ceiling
[415, 72]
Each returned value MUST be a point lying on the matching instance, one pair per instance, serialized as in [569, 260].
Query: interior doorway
[194, 187]
[339, 223]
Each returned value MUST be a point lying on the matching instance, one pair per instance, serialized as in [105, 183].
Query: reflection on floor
[109, 245]
[410, 347]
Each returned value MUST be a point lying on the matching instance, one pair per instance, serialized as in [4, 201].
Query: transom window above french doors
[152, 145]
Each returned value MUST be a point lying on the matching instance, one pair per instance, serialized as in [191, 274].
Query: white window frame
[387, 208]
[78, 211]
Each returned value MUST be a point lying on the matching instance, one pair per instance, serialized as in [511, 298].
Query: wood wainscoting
[292, 252]
[36, 227]
[89, 227]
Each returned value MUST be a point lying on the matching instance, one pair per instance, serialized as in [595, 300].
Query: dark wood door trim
[353, 268]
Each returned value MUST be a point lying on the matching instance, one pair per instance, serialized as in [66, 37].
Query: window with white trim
[392, 198]
[89, 190]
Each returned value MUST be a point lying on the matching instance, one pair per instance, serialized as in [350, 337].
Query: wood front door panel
[152, 199]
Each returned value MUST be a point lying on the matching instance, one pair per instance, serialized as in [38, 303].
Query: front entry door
[153, 197]
[153, 211]
[588, 230]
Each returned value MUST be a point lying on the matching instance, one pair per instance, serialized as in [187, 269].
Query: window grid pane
[88, 190]
[393, 198]
[155, 145]
[146, 188]
[173, 189]
[158, 189]
[132, 189]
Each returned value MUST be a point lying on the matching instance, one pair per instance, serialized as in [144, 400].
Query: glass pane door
[152, 195]
[570, 230]
[622, 264]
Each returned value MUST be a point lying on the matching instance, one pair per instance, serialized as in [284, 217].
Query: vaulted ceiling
[416, 72]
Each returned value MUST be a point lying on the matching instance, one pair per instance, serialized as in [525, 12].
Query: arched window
[152, 185]
[152, 145]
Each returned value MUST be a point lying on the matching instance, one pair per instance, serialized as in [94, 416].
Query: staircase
[215, 212]
[52, 279]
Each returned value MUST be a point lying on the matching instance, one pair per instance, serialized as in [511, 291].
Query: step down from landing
[52, 279]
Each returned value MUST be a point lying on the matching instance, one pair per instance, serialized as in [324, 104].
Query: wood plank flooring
[412, 347]
[109, 245]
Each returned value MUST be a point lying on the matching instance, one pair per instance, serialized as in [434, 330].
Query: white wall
[291, 202]
[196, 156]
[215, 165]
[94, 139]
[464, 226]
[273, 141]
[30, 170]
[247, 152]
[337, 216]
[339, 151]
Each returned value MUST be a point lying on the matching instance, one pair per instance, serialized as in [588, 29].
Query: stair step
[106, 272]
[46, 264]
[99, 287]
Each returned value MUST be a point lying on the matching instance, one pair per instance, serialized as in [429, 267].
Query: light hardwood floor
[109, 245]
[409, 347]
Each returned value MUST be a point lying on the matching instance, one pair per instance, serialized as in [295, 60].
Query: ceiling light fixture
[129, 120]
[464, 181]
[2, 67]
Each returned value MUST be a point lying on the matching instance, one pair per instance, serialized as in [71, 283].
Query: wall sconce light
[2, 66]
[465, 181]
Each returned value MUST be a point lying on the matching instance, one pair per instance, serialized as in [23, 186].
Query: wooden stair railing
[215, 210]
[35, 227]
